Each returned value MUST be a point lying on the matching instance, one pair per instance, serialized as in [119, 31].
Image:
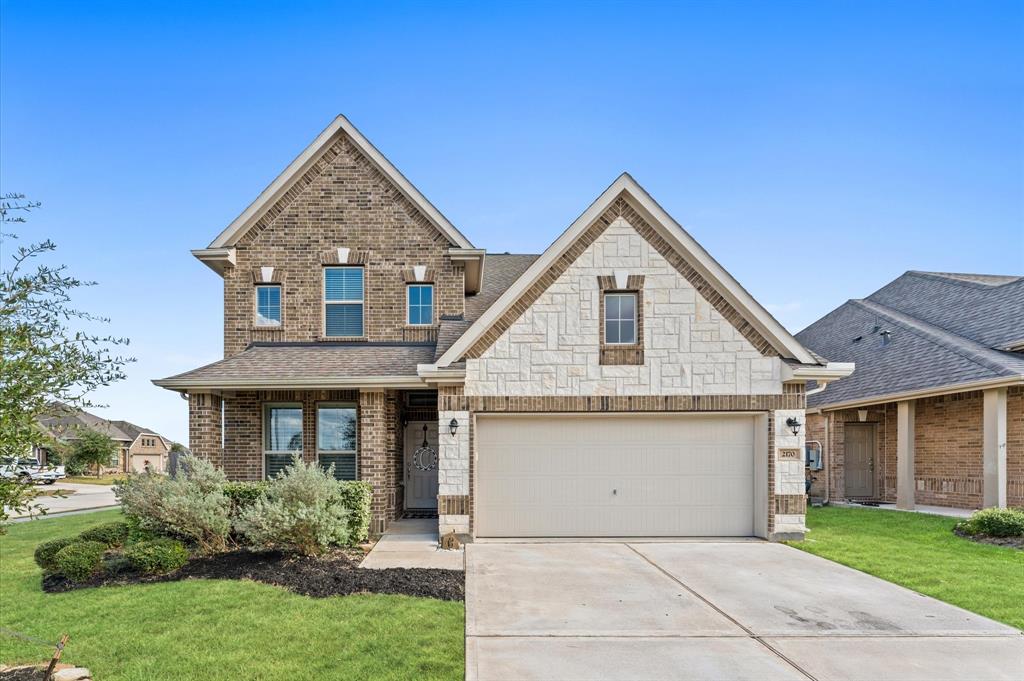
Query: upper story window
[620, 318]
[343, 302]
[420, 299]
[268, 305]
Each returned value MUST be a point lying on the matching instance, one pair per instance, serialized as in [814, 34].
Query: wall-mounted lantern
[794, 425]
[453, 427]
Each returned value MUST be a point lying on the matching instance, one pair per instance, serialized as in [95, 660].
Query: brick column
[994, 447]
[205, 427]
[373, 454]
[905, 484]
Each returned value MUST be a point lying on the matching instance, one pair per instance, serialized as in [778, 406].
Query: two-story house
[620, 383]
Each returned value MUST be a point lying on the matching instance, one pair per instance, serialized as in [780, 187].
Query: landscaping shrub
[355, 497]
[157, 556]
[191, 505]
[995, 522]
[45, 552]
[80, 560]
[302, 512]
[109, 534]
[244, 494]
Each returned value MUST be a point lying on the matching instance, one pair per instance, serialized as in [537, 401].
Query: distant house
[138, 447]
[934, 413]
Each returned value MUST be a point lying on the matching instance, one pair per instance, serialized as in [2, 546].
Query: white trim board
[678, 238]
[309, 156]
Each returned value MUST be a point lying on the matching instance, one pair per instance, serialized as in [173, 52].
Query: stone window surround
[622, 353]
[323, 302]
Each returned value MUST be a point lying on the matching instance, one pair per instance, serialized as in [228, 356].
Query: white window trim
[264, 411]
[325, 302]
[337, 405]
[636, 300]
[256, 306]
[408, 305]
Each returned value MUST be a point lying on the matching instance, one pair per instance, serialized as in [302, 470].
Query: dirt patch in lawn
[334, 574]
[1009, 542]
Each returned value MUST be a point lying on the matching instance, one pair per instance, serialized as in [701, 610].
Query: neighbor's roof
[944, 330]
[66, 421]
[308, 365]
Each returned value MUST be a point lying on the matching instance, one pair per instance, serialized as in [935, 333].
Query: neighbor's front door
[421, 458]
[860, 460]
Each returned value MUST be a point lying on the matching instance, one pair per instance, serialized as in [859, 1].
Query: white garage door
[615, 476]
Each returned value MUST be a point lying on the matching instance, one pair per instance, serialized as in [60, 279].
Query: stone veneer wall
[690, 348]
[343, 201]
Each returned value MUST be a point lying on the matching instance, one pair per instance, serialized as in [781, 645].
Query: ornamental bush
[80, 560]
[45, 552]
[109, 534]
[301, 513]
[244, 494]
[355, 497]
[995, 522]
[157, 556]
[191, 505]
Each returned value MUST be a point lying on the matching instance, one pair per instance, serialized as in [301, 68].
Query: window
[282, 436]
[115, 460]
[420, 299]
[268, 306]
[343, 302]
[620, 318]
[336, 439]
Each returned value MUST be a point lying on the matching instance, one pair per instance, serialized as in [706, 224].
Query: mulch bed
[1010, 542]
[334, 574]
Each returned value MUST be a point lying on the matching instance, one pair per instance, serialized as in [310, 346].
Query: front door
[421, 458]
[860, 460]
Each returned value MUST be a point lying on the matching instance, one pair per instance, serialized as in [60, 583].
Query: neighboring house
[148, 451]
[935, 411]
[137, 446]
[622, 383]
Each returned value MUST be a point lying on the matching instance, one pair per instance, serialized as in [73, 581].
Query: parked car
[30, 470]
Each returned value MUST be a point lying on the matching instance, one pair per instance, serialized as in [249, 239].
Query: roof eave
[299, 383]
[217, 259]
[989, 383]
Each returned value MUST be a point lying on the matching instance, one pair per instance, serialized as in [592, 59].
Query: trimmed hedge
[995, 522]
[157, 556]
[46, 552]
[109, 534]
[80, 560]
[355, 496]
[245, 494]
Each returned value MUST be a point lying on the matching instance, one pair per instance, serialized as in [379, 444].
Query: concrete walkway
[412, 544]
[919, 508]
[705, 610]
[84, 497]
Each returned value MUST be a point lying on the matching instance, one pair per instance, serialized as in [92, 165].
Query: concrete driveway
[711, 610]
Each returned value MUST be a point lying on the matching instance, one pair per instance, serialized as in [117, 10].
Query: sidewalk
[412, 544]
[84, 497]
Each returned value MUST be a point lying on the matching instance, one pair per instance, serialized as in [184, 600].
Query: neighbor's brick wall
[342, 202]
[689, 346]
[948, 449]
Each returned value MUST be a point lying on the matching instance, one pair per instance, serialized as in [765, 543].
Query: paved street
[84, 497]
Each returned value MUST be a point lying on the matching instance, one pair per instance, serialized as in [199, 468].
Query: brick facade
[343, 202]
[948, 441]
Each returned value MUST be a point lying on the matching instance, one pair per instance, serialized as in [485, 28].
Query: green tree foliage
[94, 449]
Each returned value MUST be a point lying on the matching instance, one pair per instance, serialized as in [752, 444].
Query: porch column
[994, 447]
[205, 427]
[905, 455]
[373, 454]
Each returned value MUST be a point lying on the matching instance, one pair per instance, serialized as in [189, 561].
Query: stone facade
[690, 348]
[343, 202]
[948, 462]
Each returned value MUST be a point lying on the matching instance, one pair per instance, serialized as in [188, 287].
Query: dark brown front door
[860, 460]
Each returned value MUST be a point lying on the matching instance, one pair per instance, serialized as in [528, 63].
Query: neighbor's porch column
[905, 455]
[994, 447]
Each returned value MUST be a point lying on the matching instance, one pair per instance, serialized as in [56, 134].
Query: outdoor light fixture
[794, 425]
[453, 426]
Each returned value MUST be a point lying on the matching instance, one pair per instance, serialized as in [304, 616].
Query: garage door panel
[614, 476]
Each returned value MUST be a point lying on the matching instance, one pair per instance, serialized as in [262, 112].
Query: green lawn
[920, 552]
[200, 629]
[93, 480]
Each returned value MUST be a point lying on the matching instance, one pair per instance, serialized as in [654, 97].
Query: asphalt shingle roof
[943, 330]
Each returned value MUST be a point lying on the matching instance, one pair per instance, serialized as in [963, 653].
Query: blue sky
[817, 150]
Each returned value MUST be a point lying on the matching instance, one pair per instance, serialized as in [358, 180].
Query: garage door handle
[615, 491]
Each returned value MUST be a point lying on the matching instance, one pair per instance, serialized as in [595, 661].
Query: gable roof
[65, 421]
[940, 348]
[302, 163]
[625, 187]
